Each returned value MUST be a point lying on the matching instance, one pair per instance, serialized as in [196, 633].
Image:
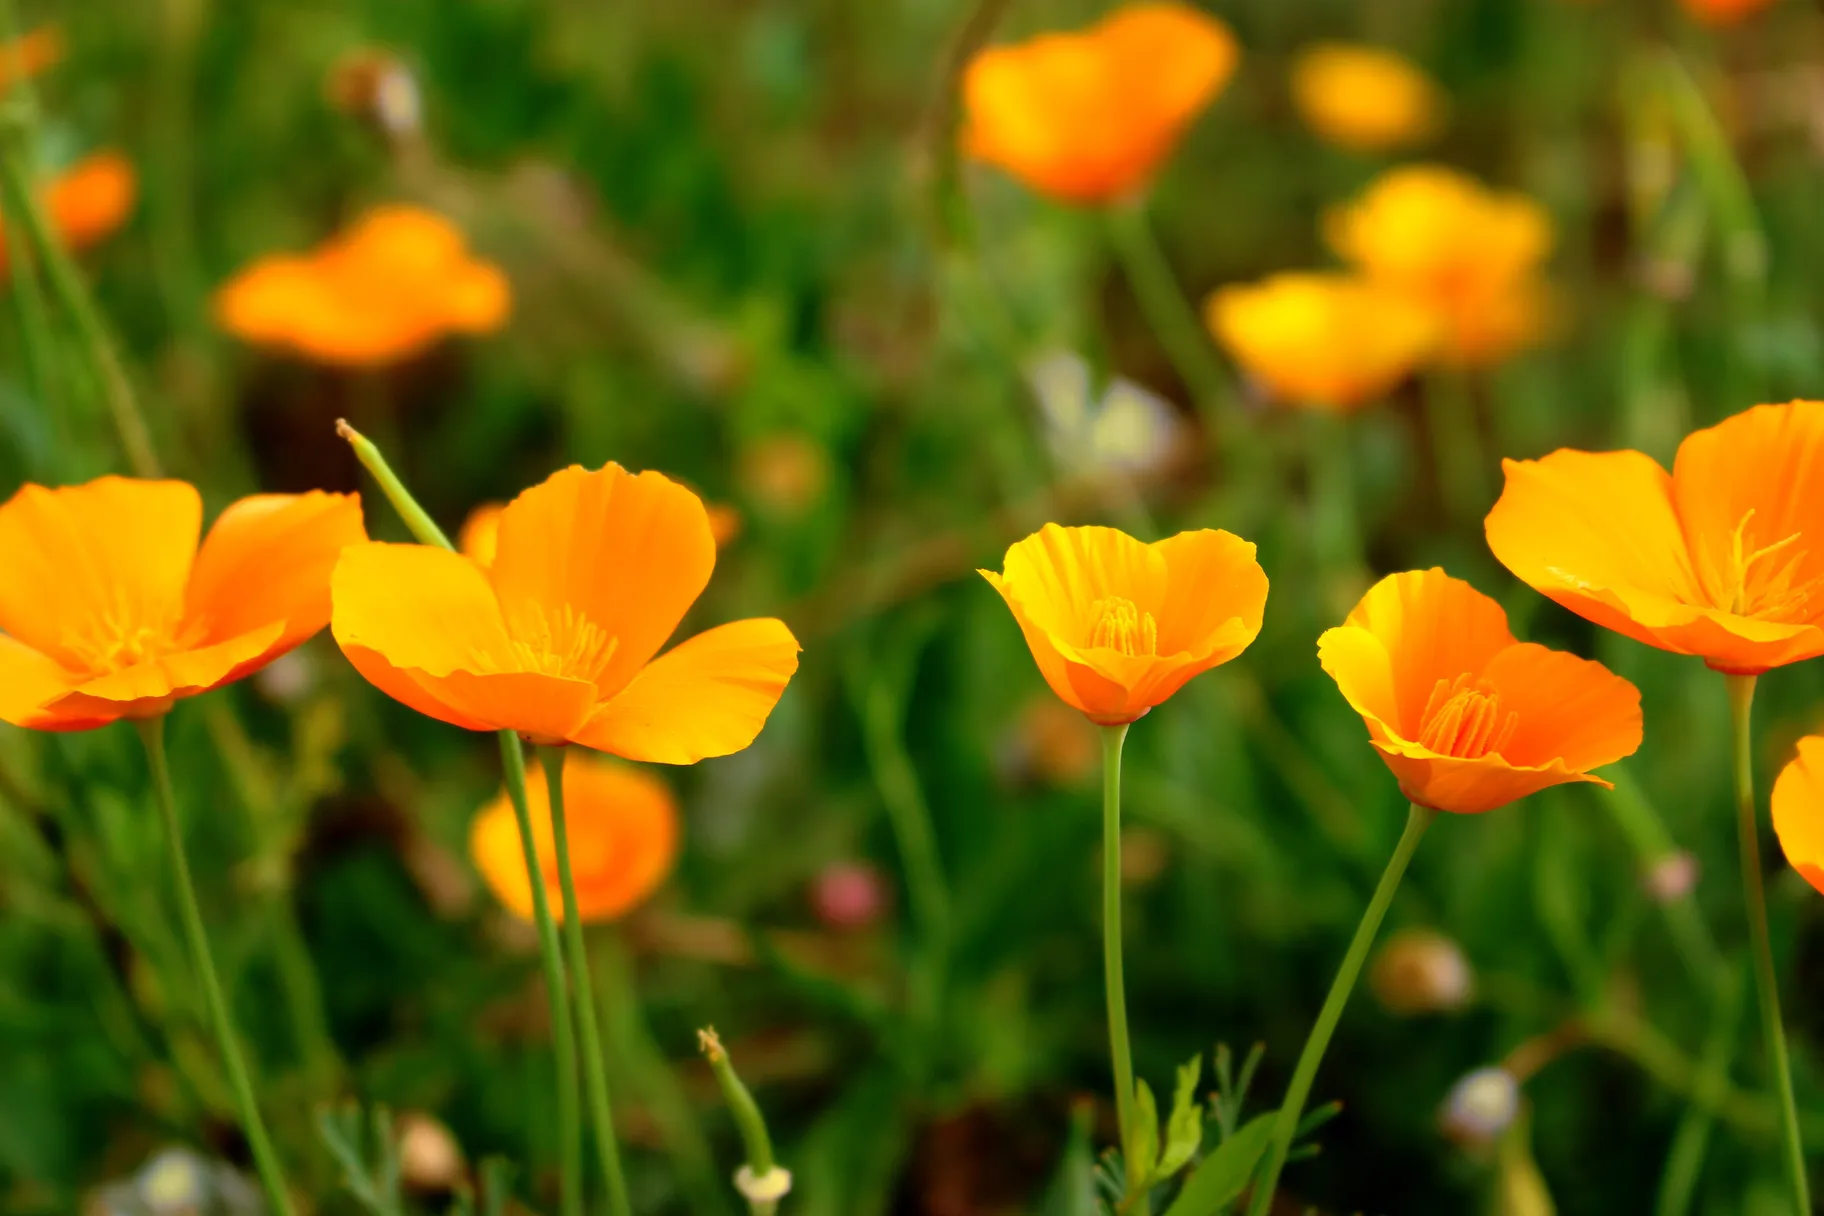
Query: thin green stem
[1114, 981]
[1741, 713]
[152, 734]
[761, 1182]
[1456, 444]
[563, 1032]
[416, 518]
[595, 1073]
[1285, 1126]
[1168, 313]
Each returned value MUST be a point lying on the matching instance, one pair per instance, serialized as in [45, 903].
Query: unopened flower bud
[1673, 876]
[429, 1157]
[1421, 971]
[1480, 1106]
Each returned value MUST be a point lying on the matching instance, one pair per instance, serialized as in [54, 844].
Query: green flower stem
[1114, 983]
[513, 766]
[563, 1031]
[1168, 313]
[152, 734]
[1285, 1126]
[1456, 444]
[1741, 707]
[594, 1072]
[761, 1182]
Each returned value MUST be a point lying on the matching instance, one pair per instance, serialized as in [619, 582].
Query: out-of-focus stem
[1685, 1159]
[1773, 1031]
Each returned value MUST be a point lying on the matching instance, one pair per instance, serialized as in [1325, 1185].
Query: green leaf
[1184, 1129]
[1143, 1152]
[1224, 1174]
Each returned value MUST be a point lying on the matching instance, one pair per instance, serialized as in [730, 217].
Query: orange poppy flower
[1471, 255]
[1725, 12]
[1116, 625]
[1327, 341]
[88, 201]
[395, 283]
[109, 610]
[622, 825]
[1798, 810]
[1087, 117]
[1468, 718]
[555, 639]
[1723, 559]
[1363, 98]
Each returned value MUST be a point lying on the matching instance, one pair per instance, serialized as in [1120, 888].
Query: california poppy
[1116, 625]
[1798, 810]
[555, 640]
[1468, 718]
[622, 824]
[1088, 116]
[1472, 255]
[398, 280]
[1364, 98]
[1723, 558]
[480, 535]
[86, 202]
[109, 610]
[1328, 341]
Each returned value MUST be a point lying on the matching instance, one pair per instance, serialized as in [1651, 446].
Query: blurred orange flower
[1725, 12]
[1471, 255]
[1723, 558]
[26, 56]
[88, 201]
[1363, 98]
[622, 825]
[1328, 341]
[1116, 625]
[1798, 810]
[1087, 117]
[1468, 718]
[480, 535]
[390, 286]
[556, 638]
[109, 610]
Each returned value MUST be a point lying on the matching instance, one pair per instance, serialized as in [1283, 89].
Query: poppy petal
[29, 682]
[708, 696]
[268, 559]
[1471, 786]
[1363, 670]
[1798, 810]
[85, 570]
[1566, 708]
[1212, 578]
[1074, 681]
[631, 553]
[1433, 627]
[419, 607]
[149, 687]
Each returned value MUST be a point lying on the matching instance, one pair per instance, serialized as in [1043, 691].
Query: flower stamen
[1121, 626]
[1463, 718]
[1754, 587]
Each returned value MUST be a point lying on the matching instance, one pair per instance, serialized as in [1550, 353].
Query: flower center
[1123, 627]
[563, 642]
[1764, 582]
[123, 636]
[1463, 718]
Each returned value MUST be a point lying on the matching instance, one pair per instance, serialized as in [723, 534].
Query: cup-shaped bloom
[1325, 341]
[1088, 116]
[1723, 558]
[1798, 810]
[1470, 254]
[1363, 98]
[621, 824]
[400, 279]
[88, 201]
[109, 610]
[556, 638]
[1468, 718]
[1116, 625]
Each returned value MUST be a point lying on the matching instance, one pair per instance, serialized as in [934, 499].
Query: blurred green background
[735, 259]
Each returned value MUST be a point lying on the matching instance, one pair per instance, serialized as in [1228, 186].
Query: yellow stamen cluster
[125, 636]
[1463, 718]
[1753, 587]
[1122, 626]
[563, 643]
